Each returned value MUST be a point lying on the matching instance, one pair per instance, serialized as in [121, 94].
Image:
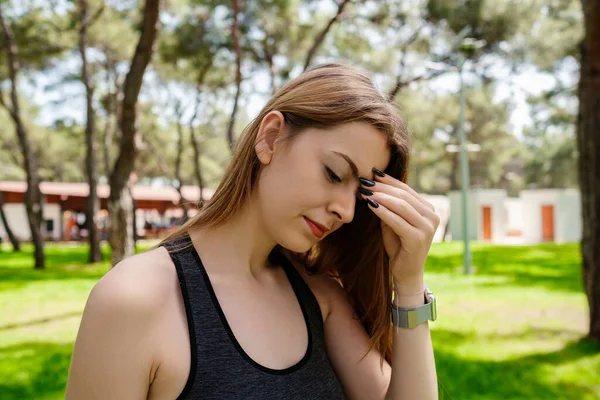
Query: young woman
[281, 288]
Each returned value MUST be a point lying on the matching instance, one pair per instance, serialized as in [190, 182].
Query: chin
[296, 242]
[299, 246]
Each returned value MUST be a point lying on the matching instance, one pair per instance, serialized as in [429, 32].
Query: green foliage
[549, 33]
[492, 21]
[40, 37]
[552, 158]
[391, 39]
[433, 169]
[189, 51]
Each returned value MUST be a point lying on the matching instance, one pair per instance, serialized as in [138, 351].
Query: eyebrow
[350, 162]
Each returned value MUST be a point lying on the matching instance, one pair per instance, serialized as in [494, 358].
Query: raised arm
[408, 223]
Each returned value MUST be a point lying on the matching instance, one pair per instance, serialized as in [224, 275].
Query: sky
[67, 101]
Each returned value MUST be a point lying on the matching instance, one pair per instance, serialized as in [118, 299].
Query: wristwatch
[411, 317]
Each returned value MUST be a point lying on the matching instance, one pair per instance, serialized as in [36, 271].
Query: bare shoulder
[115, 354]
[139, 282]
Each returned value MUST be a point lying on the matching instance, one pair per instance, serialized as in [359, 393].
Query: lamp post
[464, 44]
[464, 169]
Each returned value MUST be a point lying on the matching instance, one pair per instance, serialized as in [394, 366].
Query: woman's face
[314, 179]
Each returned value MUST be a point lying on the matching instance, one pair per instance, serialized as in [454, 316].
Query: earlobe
[270, 130]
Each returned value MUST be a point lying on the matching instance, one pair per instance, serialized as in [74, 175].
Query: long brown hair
[321, 97]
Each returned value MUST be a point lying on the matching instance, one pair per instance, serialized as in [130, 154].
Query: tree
[435, 170]
[120, 203]
[13, 240]
[588, 143]
[323, 33]
[237, 48]
[552, 151]
[93, 202]
[33, 194]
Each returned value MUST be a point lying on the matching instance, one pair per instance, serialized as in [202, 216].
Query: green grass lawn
[512, 330]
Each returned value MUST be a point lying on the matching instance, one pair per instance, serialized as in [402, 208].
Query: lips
[317, 229]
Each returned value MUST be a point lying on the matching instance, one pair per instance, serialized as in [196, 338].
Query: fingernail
[378, 172]
[366, 182]
[372, 202]
[365, 191]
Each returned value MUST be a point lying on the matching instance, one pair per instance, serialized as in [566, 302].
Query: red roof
[162, 193]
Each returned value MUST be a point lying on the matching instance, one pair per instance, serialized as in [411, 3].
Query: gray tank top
[220, 369]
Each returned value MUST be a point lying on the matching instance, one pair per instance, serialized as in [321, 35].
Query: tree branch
[321, 36]
[402, 84]
[131, 89]
[5, 105]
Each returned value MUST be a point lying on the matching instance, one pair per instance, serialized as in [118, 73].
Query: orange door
[487, 222]
[548, 223]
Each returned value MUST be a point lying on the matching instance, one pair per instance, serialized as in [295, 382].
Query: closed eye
[332, 176]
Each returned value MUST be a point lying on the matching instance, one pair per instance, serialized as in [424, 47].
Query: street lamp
[463, 44]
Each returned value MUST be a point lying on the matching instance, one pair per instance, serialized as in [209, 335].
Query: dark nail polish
[365, 191]
[372, 202]
[366, 182]
[378, 172]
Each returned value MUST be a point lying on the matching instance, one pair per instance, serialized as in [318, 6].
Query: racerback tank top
[220, 369]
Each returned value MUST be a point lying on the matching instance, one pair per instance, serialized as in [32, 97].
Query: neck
[242, 242]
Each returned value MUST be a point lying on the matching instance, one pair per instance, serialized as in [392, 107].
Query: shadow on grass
[551, 266]
[63, 262]
[34, 370]
[519, 378]
[57, 254]
[40, 321]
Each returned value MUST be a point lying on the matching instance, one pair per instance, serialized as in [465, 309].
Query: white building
[551, 215]
[16, 216]
[442, 209]
[65, 203]
[486, 214]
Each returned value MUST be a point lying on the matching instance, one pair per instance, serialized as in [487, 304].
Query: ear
[272, 128]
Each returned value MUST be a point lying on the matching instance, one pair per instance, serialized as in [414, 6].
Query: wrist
[409, 286]
[409, 301]
[409, 292]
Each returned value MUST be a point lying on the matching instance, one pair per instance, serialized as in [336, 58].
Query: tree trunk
[111, 103]
[178, 159]
[588, 142]
[197, 170]
[134, 236]
[33, 194]
[120, 205]
[120, 230]
[11, 236]
[197, 153]
[93, 202]
[235, 33]
[106, 140]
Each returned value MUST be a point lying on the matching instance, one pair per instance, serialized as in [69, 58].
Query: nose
[342, 205]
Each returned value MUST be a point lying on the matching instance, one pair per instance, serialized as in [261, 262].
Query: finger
[404, 195]
[402, 208]
[401, 185]
[398, 224]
